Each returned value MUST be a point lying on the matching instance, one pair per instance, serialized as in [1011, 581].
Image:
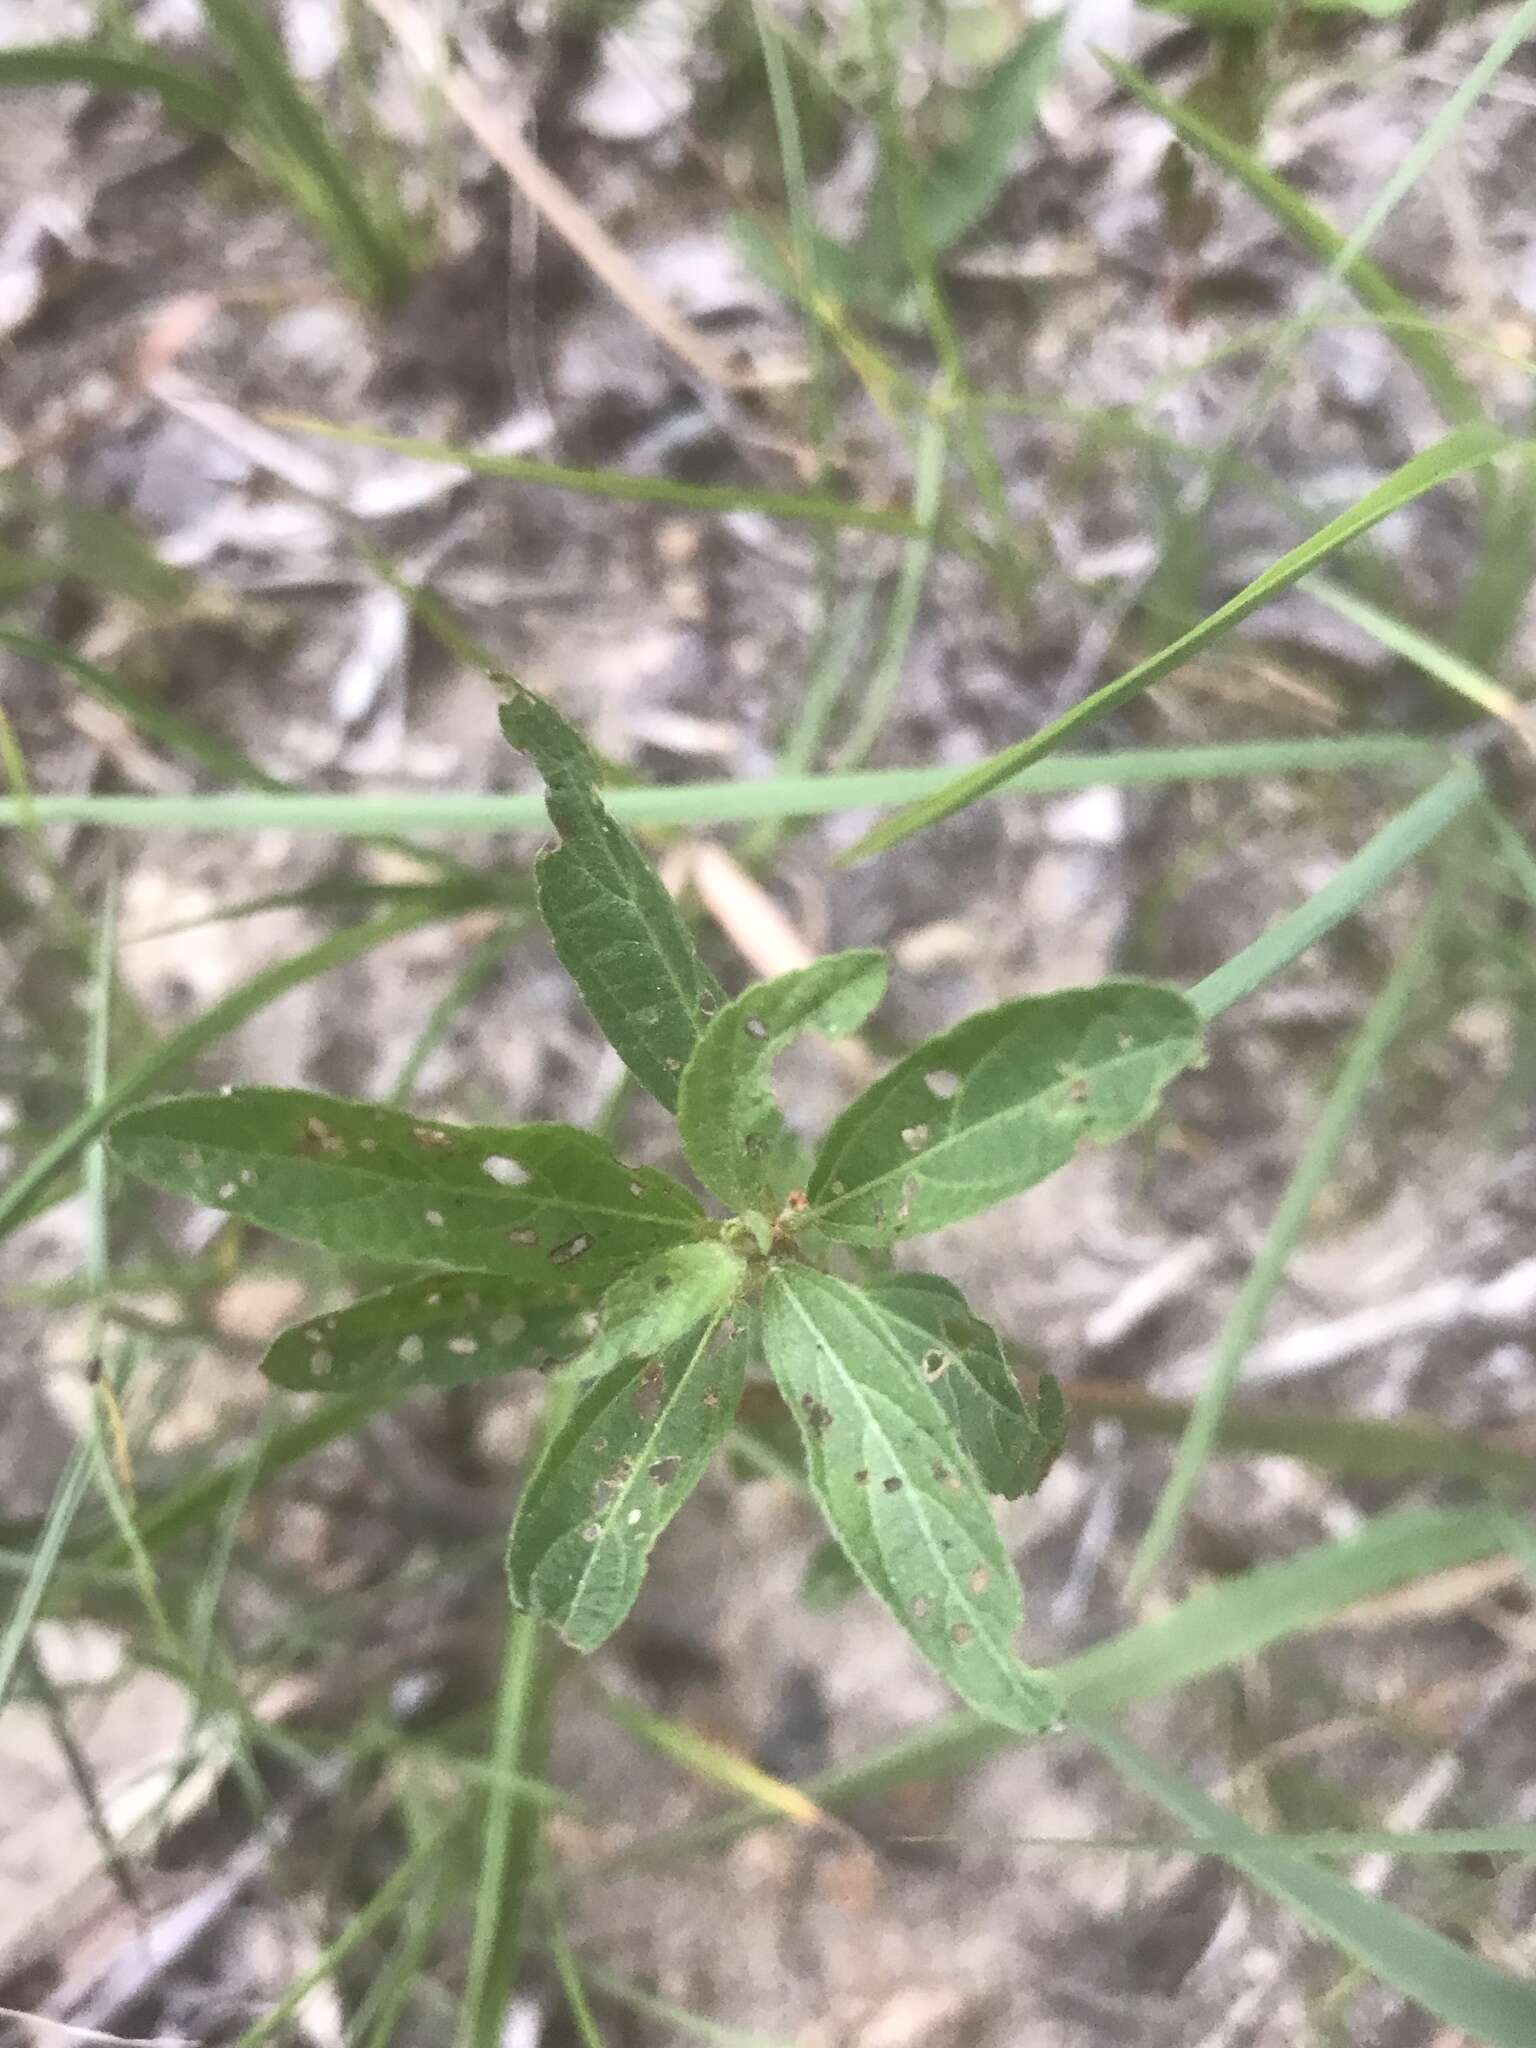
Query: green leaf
[615, 1476]
[618, 933]
[184, 94]
[989, 1108]
[1442, 1976]
[829, 1580]
[659, 1300]
[1468, 448]
[960, 185]
[732, 1129]
[905, 1506]
[542, 1204]
[438, 1332]
[1012, 1445]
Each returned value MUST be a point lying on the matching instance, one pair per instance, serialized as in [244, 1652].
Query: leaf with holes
[731, 1127]
[618, 933]
[436, 1332]
[613, 1478]
[1001, 1101]
[912, 1518]
[659, 1300]
[542, 1204]
[1012, 1444]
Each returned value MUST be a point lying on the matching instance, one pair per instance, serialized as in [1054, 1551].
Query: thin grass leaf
[634, 1449]
[367, 816]
[228, 1014]
[179, 735]
[544, 1205]
[1437, 369]
[716, 1765]
[1393, 847]
[1365, 1447]
[994, 1105]
[731, 1127]
[185, 95]
[915, 1525]
[444, 1331]
[1206, 1633]
[618, 933]
[927, 496]
[1468, 448]
[1441, 663]
[1314, 1170]
[297, 149]
[958, 187]
[1446, 1979]
[512, 1827]
[619, 484]
[106, 549]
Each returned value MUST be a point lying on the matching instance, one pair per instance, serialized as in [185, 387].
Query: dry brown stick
[556, 203]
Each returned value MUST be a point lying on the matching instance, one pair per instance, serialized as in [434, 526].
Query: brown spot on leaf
[979, 1580]
[893, 1484]
[960, 1634]
[649, 1389]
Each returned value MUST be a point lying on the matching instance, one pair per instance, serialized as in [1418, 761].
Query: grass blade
[1206, 1633]
[1364, 1446]
[622, 484]
[298, 150]
[1397, 843]
[1456, 398]
[721, 803]
[510, 1835]
[1313, 1172]
[1445, 1979]
[1441, 663]
[182, 93]
[242, 1003]
[1466, 449]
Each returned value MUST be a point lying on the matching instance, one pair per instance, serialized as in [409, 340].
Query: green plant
[544, 1249]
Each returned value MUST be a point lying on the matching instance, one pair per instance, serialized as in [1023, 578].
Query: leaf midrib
[1003, 1658]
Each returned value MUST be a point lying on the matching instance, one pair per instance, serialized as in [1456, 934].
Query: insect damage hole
[562, 1254]
[433, 1218]
[463, 1347]
[915, 1137]
[411, 1350]
[935, 1364]
[665, 1470]
[756, 1028]
[507, 1173]
[942, 1083]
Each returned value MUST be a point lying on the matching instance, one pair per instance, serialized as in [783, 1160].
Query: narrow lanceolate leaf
[996, 1104]
[437, 1332]
[1011, 1443]
[659, 1300]
[731, 1127]
[1477, 2001]
[911, 1516]
[617, 931]
[1468, 448]
[542, 1204]
[615, 1476]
